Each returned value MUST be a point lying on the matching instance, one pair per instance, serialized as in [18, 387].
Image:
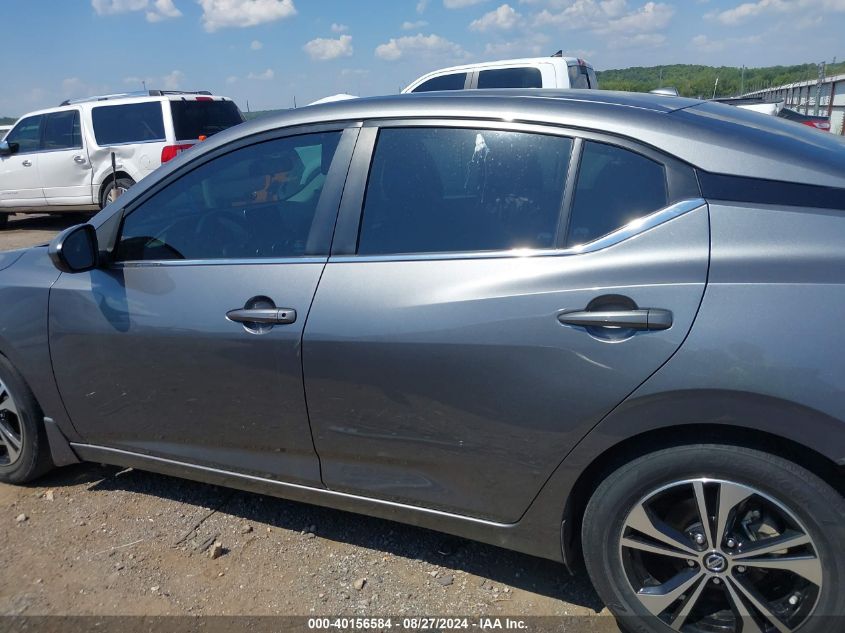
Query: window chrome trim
[235, 261]
[632, 229]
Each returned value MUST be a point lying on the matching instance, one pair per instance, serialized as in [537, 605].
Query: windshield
[192, 119]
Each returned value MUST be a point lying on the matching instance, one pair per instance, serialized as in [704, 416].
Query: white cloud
[533, 46]
[419, 45]
[639, 40]
[256, 45]
[421, 6]
[748, 10]
[704, 43]
[267, 75]
[608, 16]
[652, 16]
[460, 4]
[231, 79]
[339, 28]
[173, 80]
[163, 10]
[156, 10]
[323, 49]
[504, 18]
[220, 14]
[412, 26]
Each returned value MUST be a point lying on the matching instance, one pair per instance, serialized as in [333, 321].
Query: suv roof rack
[137, 93]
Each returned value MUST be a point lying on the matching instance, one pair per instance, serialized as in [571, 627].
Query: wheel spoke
[808, 567]
[641, 521]
[749, 623]
[6, 402]
[730, 496]
[780, 543]
[658, 599]
[683, 614]
[704, 515]
[10, 439]
[759, 604]
[654, 549]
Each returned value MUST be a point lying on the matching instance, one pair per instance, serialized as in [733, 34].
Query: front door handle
[641, 319]
[26, 162]
[79, 159]
[272, 316]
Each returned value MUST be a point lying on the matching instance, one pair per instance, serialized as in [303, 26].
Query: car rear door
[187, 346]
[505, 287]
[63, 166]
[20, 186]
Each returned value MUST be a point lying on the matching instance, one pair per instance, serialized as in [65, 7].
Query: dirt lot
[95, 540]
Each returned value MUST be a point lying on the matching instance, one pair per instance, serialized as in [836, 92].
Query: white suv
[60, 159]
[534, 72]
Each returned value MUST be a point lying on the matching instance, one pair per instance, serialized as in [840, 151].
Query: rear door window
[128, 123]
[455, 81]
[526, 77]
[27, 134]
[203, 117]
[457, 190]
[579, 77]
[61, 131]
[615, 187]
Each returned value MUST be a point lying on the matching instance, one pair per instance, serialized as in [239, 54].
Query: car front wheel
[717, 539]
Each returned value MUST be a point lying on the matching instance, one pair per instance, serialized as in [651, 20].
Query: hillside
[695, 81]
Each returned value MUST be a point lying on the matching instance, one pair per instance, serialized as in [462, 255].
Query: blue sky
[270, 51]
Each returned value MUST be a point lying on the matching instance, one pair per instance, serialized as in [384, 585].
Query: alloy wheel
[11, 428]
[715, 556]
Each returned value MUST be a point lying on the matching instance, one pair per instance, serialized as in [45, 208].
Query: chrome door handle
[78, 159]
[27, 163]
[273, 316]
[642, 319]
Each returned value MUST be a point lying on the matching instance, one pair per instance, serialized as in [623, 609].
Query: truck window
[525, 77]
[455, 81]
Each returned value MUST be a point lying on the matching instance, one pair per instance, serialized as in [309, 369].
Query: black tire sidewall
[121, 182]
[817, 505]
[34, 459]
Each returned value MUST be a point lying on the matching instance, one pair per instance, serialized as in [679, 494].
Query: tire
[122, 185]
[714, 574]
[21, 427]
[4, 218]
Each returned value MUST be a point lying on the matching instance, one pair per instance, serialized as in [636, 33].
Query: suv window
[510, 78]
[61, 131]
[579, 77]
[128, 123]
[27, 134]
[444, 189]
[258, 201]
[203, 117]
[615, 186]
[455, 81]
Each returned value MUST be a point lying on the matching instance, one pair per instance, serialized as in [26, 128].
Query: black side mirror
[7, 149]
[75, 250]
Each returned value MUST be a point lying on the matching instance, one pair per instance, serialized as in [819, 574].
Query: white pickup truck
[534, 72]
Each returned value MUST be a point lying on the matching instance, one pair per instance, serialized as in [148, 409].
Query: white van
[533, 72]
[59, 159]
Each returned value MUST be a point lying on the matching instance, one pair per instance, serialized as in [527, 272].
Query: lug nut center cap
[715, 562]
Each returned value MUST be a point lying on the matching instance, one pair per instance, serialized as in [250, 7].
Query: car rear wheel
[115, 189]
[4, 218]
[24, 453]
[717, 539]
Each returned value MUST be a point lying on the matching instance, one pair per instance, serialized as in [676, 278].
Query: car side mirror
[7, 149]
[75, 250]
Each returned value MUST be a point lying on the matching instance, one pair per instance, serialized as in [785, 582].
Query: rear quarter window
[192, 119]
[579, 77]
[455, 81]
[128, 123]
[525, 77]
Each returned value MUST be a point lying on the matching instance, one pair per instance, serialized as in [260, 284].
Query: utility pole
[144, 83]
[819, 89]
[716, 85]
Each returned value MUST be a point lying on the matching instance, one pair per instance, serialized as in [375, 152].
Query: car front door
[187, 346]
[63, 166]
[20, 185]
[502, 291]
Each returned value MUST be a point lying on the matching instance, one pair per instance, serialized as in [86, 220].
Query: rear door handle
[26, 162]
[274, 316]
[78, 159]
[642, 319]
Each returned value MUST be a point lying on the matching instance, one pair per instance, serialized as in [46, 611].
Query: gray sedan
[594, 327]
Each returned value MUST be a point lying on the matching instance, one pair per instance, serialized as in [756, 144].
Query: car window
[455, 81]
[442, 189]
[61, 131]
[27, 134]
[128, 123]
[258, 201]
[578, 77]
[615, 186]
[203, 117]
[510, 78]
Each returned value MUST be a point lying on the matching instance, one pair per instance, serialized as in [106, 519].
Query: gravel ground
[95, 540]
